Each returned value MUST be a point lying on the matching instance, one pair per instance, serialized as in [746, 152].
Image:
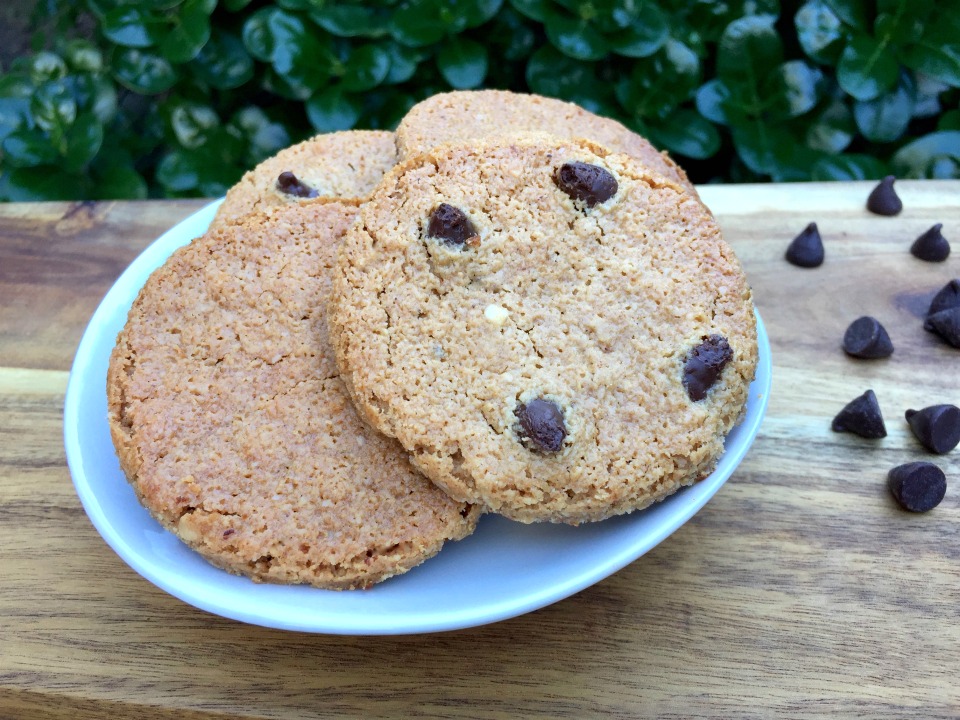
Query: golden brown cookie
[548, 327]
[343, 166]
[469, 114]
[233, 427]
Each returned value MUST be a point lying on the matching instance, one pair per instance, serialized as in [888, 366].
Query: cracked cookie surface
[540, 368]
[341, 166]
[232, 424]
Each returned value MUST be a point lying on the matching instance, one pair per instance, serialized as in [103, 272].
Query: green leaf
[177, 172]
[223, 62]
[131, 26]
[294, 51]
[575, 38]
[83, 56]
[235, 5]
[885, 119]
[54, 106]
[14, 112]
[418, 24]
[832, 130]
[264, 136]
[939, 61]
[351, 20]
[477, 12]
[462, 62]
[192, 123]
[657, 85]
[687, 133]
[47, 66]
[403, 62]
[555, 75]
[950, 120]
[819, 31]
[644, 36]
[189, 34]
[849, 167]
[121, 183]
[749, 50]
[40, 183]
[851, 12]
[920, 158]
[28, 148]
[83, 141]
[332, 110]
[533, 9]
[766, 149]
[714, 102]
[866, 68]
[367, 67]
[143, 72]
[797, 87]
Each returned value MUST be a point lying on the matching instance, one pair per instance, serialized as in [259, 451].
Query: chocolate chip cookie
[343, 166]
[235, 430]
[470, 114]
[547, 326]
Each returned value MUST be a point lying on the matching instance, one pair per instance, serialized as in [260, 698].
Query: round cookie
[548, 327]
[343, 166]
[231, 422]
[470, 114]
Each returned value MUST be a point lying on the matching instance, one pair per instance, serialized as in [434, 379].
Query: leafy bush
[178, 97]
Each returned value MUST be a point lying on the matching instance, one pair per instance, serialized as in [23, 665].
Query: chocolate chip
[862, 417]
[290, 184]
[541, 425]
[452, 226]
[946, 324]
[936, 427]
[932, 246]
[866, 338]
[806, 249]
[917, 486]
[704, 364]
[883, 200]
[590, 184]
[947, 297]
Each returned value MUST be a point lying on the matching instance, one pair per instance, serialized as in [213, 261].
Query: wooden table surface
[800, 590]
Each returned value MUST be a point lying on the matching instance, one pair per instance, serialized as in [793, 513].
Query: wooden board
[800, 590]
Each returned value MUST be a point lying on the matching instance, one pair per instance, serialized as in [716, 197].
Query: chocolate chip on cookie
[704, 364]
[288, 183]
[590, 184]
[541, 425]
[452, 226]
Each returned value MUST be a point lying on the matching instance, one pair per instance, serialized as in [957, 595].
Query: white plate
[502, 570]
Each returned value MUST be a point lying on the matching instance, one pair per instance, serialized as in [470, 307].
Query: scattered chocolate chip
[290, 184]
[704, 364]
[917, 486]
[862, 417]
[883, 200]
[947, 297]
[806, 249]
[946, 324]
[937, 427]
[452, 226]
[932, 246]
[866, 338]
[589, 183]
[541, 424]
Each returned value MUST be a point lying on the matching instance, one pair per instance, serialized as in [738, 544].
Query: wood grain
[800, 590]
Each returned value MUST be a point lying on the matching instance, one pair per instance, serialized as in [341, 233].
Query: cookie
[470, 114]
[548, 327]
[232, 425]
[343, 166]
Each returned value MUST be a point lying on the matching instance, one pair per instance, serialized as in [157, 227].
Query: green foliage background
[177, 98]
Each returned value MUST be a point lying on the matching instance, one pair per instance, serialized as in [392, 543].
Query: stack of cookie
[511, 305]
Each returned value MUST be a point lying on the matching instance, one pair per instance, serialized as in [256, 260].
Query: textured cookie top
[343, 166]
[469, 114]
[546, 326]
[235, 430]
